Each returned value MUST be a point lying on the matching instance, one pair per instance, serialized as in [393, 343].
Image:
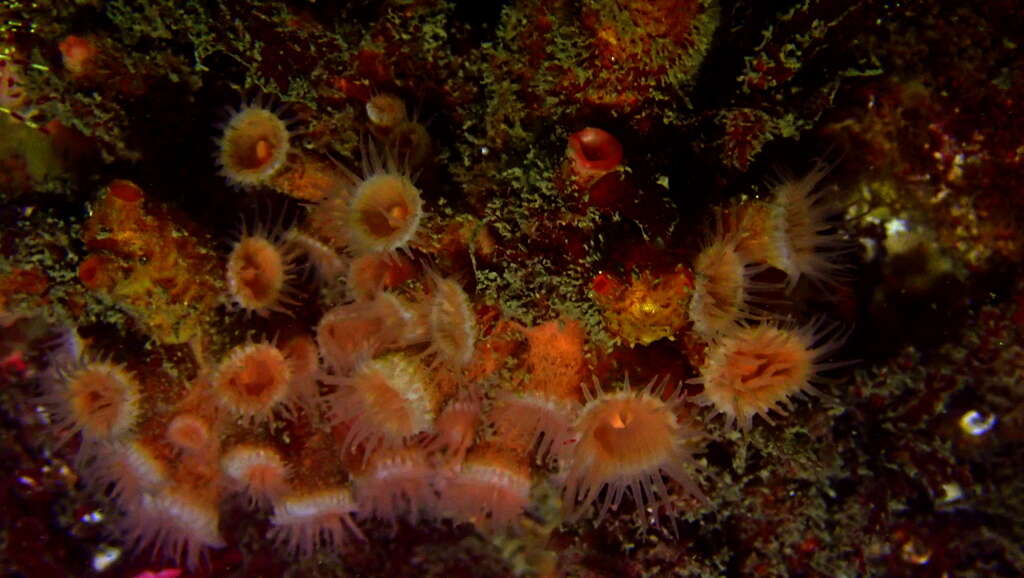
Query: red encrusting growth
[125, 191]
[541, 414]
[94, 272]
[418, 399]
[79, 54]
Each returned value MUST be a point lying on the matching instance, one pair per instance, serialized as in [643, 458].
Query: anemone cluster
[397, 405]
[755, 360]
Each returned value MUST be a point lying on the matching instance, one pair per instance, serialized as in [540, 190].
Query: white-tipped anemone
[451, 322]
[309, 521]
[540, 422]
[490, 496]
[175, 525]
[97, 398]
[328, 264]
[351, 331]
[261, 270]
[126, 471]
[806, 241]
[629, 441]
[456, 426]
[385, 209]
[725, 292]
[385, 402]
[257, 470]
[253, 381]
[396, 484]
[254, 143]
[755, 370]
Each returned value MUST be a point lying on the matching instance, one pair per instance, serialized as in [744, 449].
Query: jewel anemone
[385, 110]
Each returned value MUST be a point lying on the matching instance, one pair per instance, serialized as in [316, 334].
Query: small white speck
[104, 557]
[951, 492]
[485, 151]
[93, 517]
[896, 226]
[43, 414]
[916, 553]
[870, 248]
[977, 424]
